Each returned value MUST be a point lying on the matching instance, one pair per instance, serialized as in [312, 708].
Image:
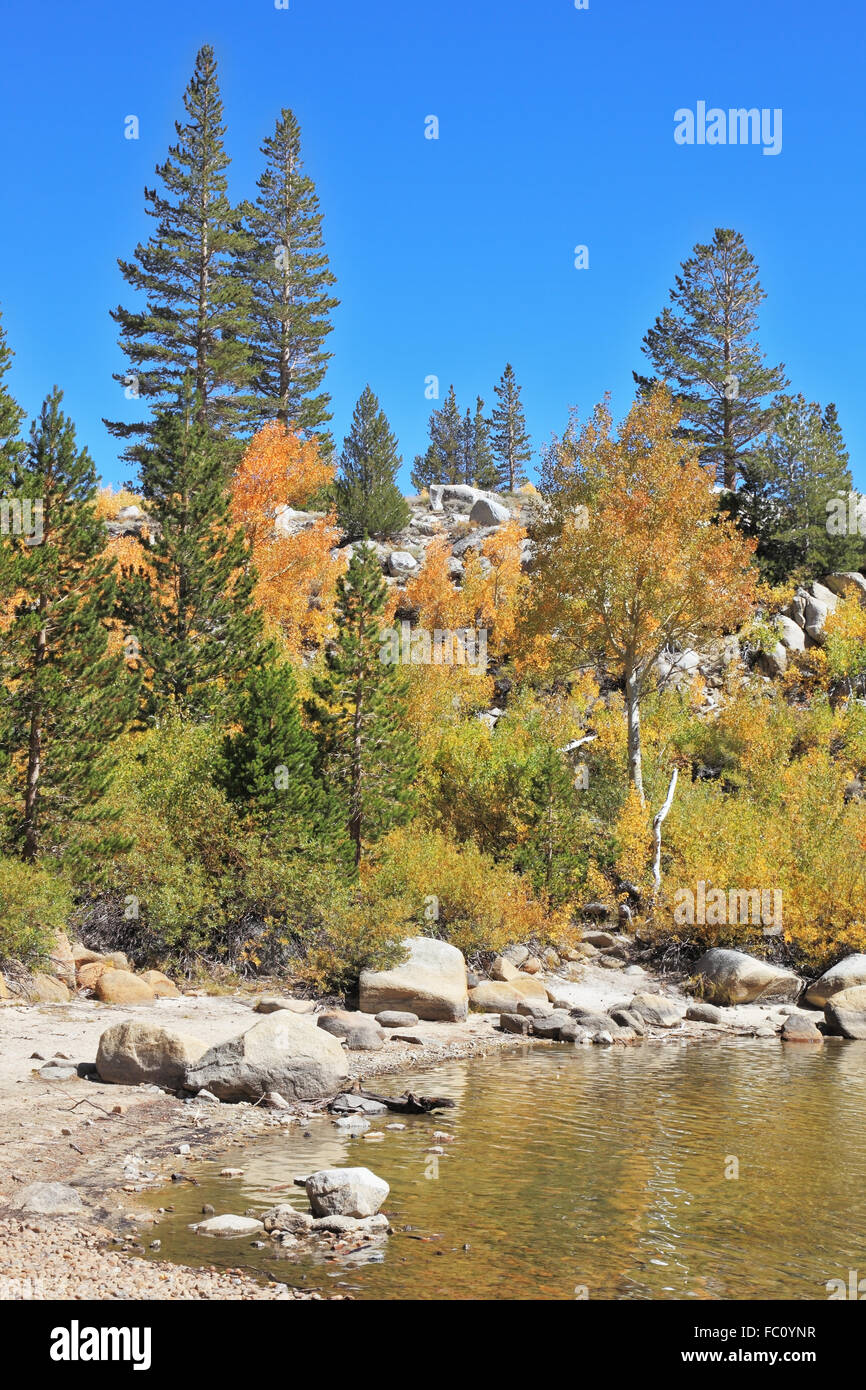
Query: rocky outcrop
[143, 1054]
[282, 1052]
[431, 983]
[732, 977]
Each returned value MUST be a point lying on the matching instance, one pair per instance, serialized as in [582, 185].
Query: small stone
[228, 1226]
[393, 1018]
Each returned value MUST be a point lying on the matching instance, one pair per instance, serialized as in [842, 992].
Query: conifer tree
[188, 606]
[483, 462]
[63, 697]
[444, 458]
[369, 502]
[11, 415]
[287, 271]
[788, 492]
[704, 347]
[358, 711]
[268, 761]
[511, 444]
[194, 320]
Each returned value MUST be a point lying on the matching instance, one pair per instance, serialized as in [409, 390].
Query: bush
[34, 906]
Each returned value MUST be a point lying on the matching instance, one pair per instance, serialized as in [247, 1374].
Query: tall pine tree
[195, 319]
[11, 416]
[511, 444]
[443, 460]
[358, 710]
[704, 346]
[63, 696]
[286, 268]
[189, 607]
[369, 502]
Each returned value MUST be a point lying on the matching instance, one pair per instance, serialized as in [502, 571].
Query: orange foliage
[278, 469]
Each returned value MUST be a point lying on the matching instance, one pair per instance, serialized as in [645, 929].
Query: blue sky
[456, 255]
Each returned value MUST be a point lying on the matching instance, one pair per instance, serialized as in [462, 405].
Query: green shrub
[34, 906]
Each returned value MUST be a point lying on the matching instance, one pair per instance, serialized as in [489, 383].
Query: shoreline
[112, 1142]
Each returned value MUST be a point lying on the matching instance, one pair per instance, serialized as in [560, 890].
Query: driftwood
[409, 1104]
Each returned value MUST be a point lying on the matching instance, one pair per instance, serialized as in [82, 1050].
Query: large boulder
[282, 1052]
[496, 997]
[142, 1054]
[44, 989]
[122, 987]
[504, 969]
[430, 983]
[845, 974]
[732, 977]
[62, 960]
[88, 974]
[848, 584]
[655, 1009]
[345, 1192]
[488, 512]
[791, 634]
[845, 1023]
[402, 564]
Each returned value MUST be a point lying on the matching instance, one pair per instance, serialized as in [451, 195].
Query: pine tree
[268, 762]
[789, 482]
[63, 697]
[11, 416]
[511, 444]
[443, 460]
[358, 711]
[188, 607]
[704, 346]
[369, 502]
[195, 318]
[483, 462]
[286, 268]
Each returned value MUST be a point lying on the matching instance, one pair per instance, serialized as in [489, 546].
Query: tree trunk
[34, 758]
[632, 692]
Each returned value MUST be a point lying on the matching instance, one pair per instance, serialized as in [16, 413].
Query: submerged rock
[228, 1226]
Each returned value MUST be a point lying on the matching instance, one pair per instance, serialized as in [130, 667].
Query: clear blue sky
[452, 256]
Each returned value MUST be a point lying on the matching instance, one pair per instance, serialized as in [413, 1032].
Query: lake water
[574, 1172]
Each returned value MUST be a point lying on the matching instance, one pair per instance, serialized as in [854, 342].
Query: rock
[121, 987]
[207, 1096]
[603, 1038]
[44, 989]
[353, 1225]
[593, 1021]
[487, 512]
[550, 959]
[843, 975]
[611, 963]
[574, 1032]
[142, 1054]
[531, 966]
[530, 988]
[773, 662]
[162, 986]
[852, 998]
[495, 997]
[796, 1028]
[550, 1025]
[274, 1101]
[282, 1053]
[599, 939]
[430, 983]
[228, 1226]
[847, 585]
[82, 955]
[732, 977]
[88, 974]
[516, 954]
[814, 617]
[62, 961]
[515, 1023]
[350, 1104]
[53, 1072]
[345, 1192]
[352, 1124]
[359, 1031]
[401, 564]
[272, 1003]
[286, 1218]
[535, 1008]
[48, 1199]
[118, 960]
[393, 1018]
[845, 1023]
[657, 1010]
[4, 989]
[629, 1018]
[600, 911]
[503, 969]
[791, 635]
[704, 1013]
[824, 595]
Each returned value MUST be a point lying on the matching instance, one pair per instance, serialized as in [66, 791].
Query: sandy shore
[99, 1137]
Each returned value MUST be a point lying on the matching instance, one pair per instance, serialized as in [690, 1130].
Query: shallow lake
[723, 1171]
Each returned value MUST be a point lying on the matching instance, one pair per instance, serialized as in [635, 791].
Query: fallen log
[409, 1104]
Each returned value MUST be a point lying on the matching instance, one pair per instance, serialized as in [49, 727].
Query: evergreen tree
[63, 697]
[358, 711]
[704, 347]
[444, 459]
[800, 469]
[189, 606]
[369, 502]
[268, 762]
[511, 445]
[286, 268]
[195, 318]
[483, 462]
[11, 416]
